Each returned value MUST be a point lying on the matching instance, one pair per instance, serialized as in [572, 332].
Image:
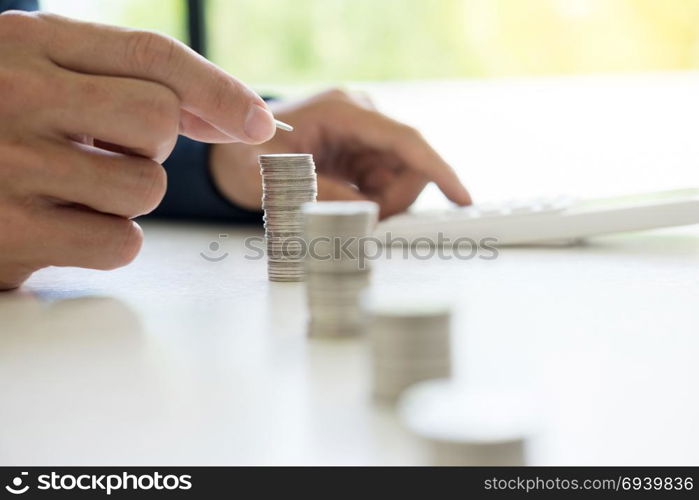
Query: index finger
[384, 133]
[204, 89]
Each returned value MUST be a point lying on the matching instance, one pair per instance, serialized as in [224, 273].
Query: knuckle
[13, 273]
[149, 51]
[46, 16]
[162, 110]
[322, 105]
[364, 100]
[12, 276]
[159, 115]
[410, 132]
[20, 25]
[127, 239]
[152, 185]
[337, 93]
[161, 147]
[17, 243]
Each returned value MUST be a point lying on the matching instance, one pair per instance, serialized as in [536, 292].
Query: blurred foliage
[302, 41]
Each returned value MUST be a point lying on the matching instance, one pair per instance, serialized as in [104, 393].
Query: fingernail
[259, 124]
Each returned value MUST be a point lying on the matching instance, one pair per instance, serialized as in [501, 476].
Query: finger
[193, 126]
[203, 88]
[330, 189]
[383, 133]
[140, 117]
[358, 97]
[108, 146]
[376, 179]
[104, 181]
[373, 170]
[82, 238]
[397, 196]
[356, 165]
[82, 138]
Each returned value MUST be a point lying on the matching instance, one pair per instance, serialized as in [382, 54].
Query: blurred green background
[330, 41]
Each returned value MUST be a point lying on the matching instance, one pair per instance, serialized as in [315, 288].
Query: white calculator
[544, 220]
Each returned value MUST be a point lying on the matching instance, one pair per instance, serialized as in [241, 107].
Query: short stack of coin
[288, 181]
[410, 342]
[337, 272]
[465, 426]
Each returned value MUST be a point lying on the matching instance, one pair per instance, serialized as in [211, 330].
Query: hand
[359, 154]
[87, 114]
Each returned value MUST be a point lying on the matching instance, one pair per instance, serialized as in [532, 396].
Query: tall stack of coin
[288, 181]
[337, 271]
[410, 342]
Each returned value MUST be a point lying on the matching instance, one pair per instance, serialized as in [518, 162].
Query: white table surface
[177, 360]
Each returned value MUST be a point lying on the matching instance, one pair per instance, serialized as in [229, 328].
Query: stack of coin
[410, 342]
[469, 427]
[288, 181]
[337, 271]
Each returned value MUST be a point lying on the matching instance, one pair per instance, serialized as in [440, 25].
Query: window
[315, 41]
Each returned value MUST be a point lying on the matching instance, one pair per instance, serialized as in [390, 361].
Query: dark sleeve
[191, 192]
[19, 5]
